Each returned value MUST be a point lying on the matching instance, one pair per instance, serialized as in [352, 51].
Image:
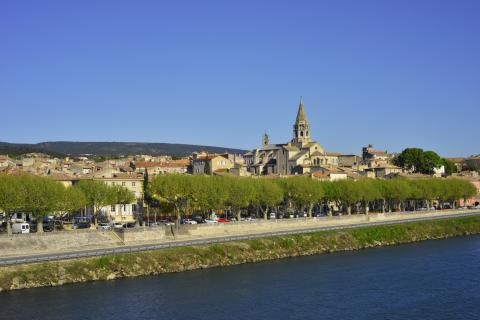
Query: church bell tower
[301, 128]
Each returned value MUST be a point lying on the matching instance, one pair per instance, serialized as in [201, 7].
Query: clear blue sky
[391, 73]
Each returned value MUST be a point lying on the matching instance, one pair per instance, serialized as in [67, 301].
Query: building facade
[299, 156]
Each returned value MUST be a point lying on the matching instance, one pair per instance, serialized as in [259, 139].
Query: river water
[428, 280]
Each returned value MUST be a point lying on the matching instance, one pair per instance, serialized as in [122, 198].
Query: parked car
[210, 221]
[22, 227]
[273, 215]
[475, 207]
[189, 221]
[82, 225]
[166, 222]
[221, 220]
[117, 225]
[104, 227]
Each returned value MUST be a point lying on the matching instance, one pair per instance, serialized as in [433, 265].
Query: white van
[21, 228]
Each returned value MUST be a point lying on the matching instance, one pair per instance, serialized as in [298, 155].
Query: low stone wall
[54, 241]
[262, 226]
[144, 234]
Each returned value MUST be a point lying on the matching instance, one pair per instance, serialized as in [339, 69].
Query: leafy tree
[98, 194]
[239, 194]
[417, 160]
[303, 192]
[267, 194]
[12, 196]
[44, 196]
[450, 167]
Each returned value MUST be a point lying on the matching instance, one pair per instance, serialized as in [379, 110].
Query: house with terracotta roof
[211, 163]
[163, 167]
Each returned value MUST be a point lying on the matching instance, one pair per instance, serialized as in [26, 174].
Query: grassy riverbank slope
[231, 253]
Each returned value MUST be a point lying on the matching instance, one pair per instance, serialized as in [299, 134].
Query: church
[301, 155]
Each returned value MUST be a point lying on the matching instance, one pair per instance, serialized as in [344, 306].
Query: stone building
[299, 156]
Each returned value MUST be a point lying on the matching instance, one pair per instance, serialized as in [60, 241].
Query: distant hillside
[59, 148]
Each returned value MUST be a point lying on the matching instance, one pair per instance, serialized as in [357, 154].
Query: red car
[221, 220]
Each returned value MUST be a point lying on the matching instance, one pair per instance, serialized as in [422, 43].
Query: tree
[348, 194]
[72, 199]
[417, 160]
[303, 192]
[450, 167]
[267, 194]
[368, 191]
[175, 189]
[12, 196]
[97, 194]
[44, 196]
[240, 191]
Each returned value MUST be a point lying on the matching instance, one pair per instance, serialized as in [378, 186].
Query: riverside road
[180, 243]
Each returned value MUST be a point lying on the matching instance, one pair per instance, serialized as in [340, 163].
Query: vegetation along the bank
[185, 194]
[42, 196]
[188, 194]
[232, 253]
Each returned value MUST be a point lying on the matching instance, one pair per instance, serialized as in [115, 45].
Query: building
[211, 163]
[473, 163]
[299, 156]
[373, 158]
[162, 167]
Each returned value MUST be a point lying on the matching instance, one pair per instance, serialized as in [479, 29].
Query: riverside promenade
[20, 249]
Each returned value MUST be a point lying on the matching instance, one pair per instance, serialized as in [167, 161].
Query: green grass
[231, 253]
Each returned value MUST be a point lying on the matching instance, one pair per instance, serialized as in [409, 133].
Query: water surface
[428, 280]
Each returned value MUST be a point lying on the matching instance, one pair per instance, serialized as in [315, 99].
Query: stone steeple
[301, 128]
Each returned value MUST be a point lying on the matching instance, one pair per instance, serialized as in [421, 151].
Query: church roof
[301, 116]
[290, 148]
[299, 155]
[317, 154]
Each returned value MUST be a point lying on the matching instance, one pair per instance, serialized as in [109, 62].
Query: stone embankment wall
[36, 243]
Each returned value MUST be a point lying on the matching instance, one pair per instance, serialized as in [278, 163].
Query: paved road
[147, 247]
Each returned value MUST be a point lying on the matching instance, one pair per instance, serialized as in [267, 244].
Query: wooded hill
[62, 148]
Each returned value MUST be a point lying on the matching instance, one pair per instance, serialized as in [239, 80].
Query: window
[134, 206]
[112, 208]
[123, 183]
[133, 183]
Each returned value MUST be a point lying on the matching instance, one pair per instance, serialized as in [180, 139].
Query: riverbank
[230, 253]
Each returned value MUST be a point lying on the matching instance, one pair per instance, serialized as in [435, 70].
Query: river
[427, 280]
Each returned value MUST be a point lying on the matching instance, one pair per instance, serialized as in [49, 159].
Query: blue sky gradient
[394, 74]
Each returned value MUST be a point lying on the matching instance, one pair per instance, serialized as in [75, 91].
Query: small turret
[265, 139]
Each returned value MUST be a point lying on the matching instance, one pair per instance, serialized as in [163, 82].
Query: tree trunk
[264, 212]
[40, 225]
[366, 207]
[9, 223]
[239, 215]
[384, 203]
[310, 209]
[349, 210]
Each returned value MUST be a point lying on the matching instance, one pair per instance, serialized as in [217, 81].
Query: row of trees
[42, 196]
[187, 194]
